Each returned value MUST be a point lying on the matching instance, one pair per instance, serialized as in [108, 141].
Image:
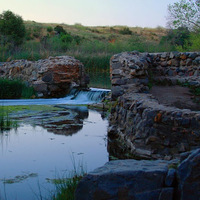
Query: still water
[32, 155]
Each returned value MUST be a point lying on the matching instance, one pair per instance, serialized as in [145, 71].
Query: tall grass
[5, 121]
[14, 89]
[66, 188]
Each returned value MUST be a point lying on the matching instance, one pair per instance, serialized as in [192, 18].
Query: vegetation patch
[15, 89]
[65, 188]
[19, 179]
[6, 123]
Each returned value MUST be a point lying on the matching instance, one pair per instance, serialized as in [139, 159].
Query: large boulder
[127, 180]
[144, 180]
[52, 77]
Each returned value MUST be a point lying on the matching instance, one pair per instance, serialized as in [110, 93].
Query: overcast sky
[143, 13]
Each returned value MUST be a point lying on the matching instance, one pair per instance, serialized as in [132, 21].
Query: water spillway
[93, 95]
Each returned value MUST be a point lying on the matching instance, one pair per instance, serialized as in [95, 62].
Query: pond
[48, 144]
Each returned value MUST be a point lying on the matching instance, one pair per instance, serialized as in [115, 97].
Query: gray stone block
[130, 179]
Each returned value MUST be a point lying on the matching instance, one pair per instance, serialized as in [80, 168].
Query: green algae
[19, 178]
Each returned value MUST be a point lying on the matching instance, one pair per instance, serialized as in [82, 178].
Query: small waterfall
[93, 95]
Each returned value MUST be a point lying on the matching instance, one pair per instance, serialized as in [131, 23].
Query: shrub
[66, 38]
[125, 31]
[49, 29]
[59, 30]
[12, 28]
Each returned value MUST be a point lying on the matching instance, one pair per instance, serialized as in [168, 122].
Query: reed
[6, 123]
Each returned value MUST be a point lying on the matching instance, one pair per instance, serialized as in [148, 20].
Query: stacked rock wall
[144, 127]
[52, 77]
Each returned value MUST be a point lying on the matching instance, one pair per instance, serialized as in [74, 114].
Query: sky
[142, 13]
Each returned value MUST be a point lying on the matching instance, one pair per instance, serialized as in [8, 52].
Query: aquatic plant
[6, 123]
[65, 187]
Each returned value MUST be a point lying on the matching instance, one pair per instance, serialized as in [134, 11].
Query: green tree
[185, 13]
[12, 28]
[177, 37]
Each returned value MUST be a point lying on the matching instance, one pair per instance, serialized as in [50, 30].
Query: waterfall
[93, 95]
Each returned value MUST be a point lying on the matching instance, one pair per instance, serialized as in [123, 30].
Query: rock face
[189, 177]
[52, 77]
[143, 180]
[143, 127]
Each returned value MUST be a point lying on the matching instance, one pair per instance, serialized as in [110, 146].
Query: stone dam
[52, 77]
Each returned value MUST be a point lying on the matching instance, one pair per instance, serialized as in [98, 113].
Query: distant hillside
[109, 33]
[93, 46]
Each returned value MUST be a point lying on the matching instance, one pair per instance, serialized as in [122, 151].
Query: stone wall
[143, 127]
[52, 77]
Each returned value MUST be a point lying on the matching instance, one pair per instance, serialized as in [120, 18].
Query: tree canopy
[12, 28]
[185, 13]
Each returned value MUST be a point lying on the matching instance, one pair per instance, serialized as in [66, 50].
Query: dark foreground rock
[143, 180]
[189, 177]
[52, 77]
[126, 179]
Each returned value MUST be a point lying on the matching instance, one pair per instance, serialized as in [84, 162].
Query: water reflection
[35, 150]
[65, 121]
[100, 79]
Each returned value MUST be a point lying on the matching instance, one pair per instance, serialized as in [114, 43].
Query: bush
[49, 29]
[125, 31]
[66, 38]
[59, 30]
[12, 28]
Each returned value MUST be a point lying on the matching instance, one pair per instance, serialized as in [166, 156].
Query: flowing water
[32, 155]
[94, 95]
